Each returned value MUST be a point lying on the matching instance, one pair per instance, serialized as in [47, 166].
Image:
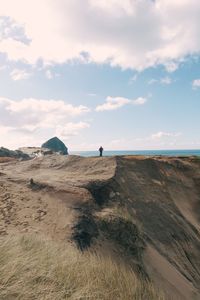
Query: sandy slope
[51, 204]
[142, 210]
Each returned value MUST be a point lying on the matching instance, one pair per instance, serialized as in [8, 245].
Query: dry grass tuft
[35, 268]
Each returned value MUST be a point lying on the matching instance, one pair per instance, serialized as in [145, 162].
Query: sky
[124, 74]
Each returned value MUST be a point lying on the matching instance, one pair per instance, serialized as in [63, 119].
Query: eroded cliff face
[162, 195]
[142, 211]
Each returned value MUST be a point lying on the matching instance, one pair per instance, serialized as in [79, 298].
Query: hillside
[141, 212]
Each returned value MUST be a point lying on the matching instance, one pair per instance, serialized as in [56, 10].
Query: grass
[36, 268]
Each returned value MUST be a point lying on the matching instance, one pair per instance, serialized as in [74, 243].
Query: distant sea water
[140, 152]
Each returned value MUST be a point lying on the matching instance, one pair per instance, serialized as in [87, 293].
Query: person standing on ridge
[101, 151]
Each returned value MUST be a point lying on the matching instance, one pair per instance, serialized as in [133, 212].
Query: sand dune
[139, 210]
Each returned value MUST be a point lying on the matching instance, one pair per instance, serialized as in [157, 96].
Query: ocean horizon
[184, 152]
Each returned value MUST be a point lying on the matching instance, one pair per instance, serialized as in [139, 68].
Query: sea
[140, 152]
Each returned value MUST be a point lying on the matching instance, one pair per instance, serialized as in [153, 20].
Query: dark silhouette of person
[101, 151]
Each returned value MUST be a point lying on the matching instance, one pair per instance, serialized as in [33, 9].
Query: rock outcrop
[56, 145]
[36, 151]
[4, 152]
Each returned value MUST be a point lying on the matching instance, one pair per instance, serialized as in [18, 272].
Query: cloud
[159, 140]
[152, 81]
[92, 94]
[165, 81]
[139, 101]
[37, 119]
[71, 129]
[133, 79]
[172, 66]
[113, 32]
[5, 130]
[18, 74]
[11, 29]
[159, 135]
[43, 107]
[196, 83]
[113, 103]
[48, 74]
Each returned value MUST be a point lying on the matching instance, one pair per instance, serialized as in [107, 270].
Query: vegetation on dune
[36, 268]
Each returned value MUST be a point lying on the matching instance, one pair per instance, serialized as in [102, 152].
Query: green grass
[35, 268]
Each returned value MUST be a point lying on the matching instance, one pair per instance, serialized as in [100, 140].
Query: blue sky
[122, 74]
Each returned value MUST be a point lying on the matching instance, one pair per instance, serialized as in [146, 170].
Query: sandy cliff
[139, 210]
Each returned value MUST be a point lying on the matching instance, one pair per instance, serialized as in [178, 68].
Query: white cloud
[113, 103]
[48, 74]
[125, 33]
[165, 81]
[171, 66]
[139, 101]
[4, 130]
[133, 79]
[152, 81]
[33, 120]
[159, 135]
[92, 94]
[158, 140]
[196, 83]
[166, 140]
[3, 67]
[18, 74]
[43, 107]
[71, 129]
[11, 29]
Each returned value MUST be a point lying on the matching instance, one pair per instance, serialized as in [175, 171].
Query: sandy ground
[160, 195]
[52, 203]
